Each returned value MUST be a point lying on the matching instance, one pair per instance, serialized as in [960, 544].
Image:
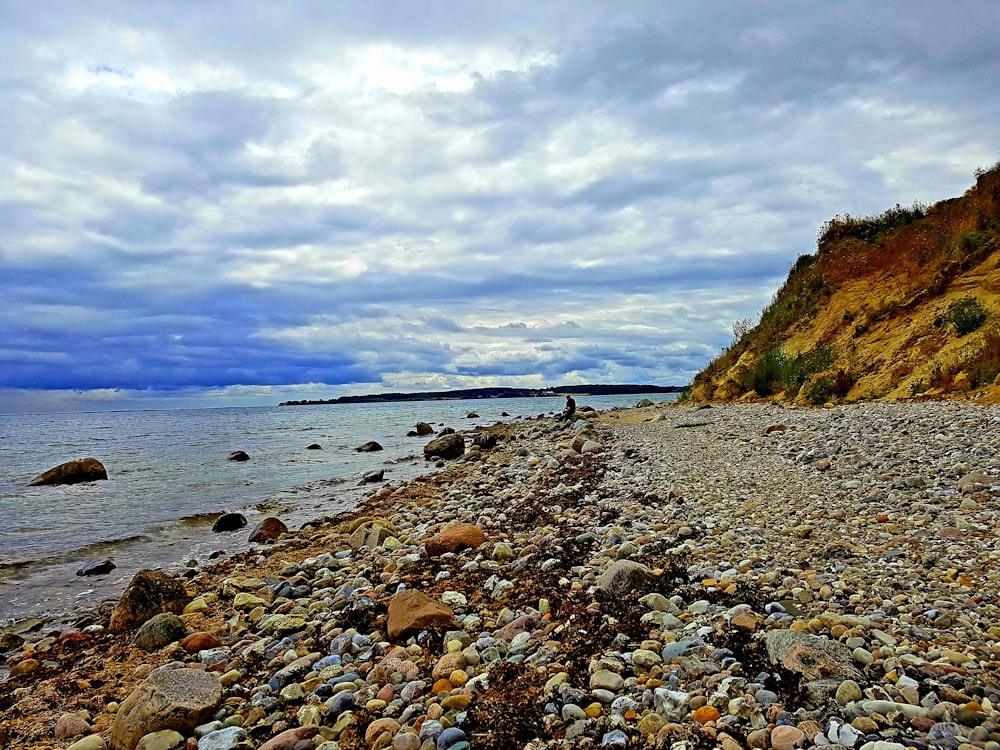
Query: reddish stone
[290, 738]
[24, 667]
[459, 536]
[199, 642]
[411, 611]
[268, 530]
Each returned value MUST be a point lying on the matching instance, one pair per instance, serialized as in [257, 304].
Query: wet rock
[373, 476]
[447, 446]
[149, 593]
[72, 472]
[269, 529]
[169, 698]
[424, 429]
[96, 567]
[370, 447]
[238, 456]
[314, 447]
[229, 522]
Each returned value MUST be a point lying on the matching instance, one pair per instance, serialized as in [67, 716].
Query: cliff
[901, 305]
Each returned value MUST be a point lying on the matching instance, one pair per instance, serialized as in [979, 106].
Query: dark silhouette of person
[570, 411]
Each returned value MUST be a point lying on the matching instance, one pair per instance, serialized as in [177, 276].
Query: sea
[169, 479]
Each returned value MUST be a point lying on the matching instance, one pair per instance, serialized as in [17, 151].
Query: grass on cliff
[778, 370]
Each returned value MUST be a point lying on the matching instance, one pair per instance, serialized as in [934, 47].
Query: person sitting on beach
[570, 411]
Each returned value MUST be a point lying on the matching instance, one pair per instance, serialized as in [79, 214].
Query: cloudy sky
[244, 202]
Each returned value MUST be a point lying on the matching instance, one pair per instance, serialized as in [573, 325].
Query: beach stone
[10, 641]
[847, 692]
[159, 631]
[238, 456]
[406, 741]
[201, 641]
[290, 738]
[370, 447]
[784, 737]
[314, 447]
[373, 476]
[812, 657]
[229, 522]
[25, 666]
[72, 472]
[413, 610]
[93, 742]
[379, 727]
[149, 593]
[371, 533]
[228, 738]
[96, 567]
[268, 530]
[71, 725]
[424, 429]
[170, 698]
[605, 679]
[455, 538]
[446, 446]
[164, 739]
[622, 576]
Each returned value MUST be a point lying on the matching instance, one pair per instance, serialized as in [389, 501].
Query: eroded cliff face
[902, 305]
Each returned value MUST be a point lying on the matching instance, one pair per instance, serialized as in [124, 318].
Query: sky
[239, 203]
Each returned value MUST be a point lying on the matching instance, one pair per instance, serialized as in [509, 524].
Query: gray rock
[160, 631]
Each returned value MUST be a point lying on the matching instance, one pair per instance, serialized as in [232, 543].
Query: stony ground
[746, 576]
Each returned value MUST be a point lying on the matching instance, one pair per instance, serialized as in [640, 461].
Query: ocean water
[169, 478]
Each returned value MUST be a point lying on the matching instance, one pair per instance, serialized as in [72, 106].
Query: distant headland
[479, 393]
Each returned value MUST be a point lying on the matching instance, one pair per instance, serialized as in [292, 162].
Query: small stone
[785, 737]
[706, 714]
[848, 691]
[71, 725]
[604, 679]
[163, 739]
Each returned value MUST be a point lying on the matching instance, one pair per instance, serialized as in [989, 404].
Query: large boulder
[149, 593]
[424, 429]
[268, 530]
[170, 698]
[811, 656]
[454, 538]
[411, 611]
[72, 472]
[446, 446]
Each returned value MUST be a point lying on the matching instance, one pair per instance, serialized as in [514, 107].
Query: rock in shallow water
[72, 472]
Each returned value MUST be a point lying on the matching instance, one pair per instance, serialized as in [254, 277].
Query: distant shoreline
[491, 393]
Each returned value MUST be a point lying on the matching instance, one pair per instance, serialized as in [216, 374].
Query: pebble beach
[672, 576]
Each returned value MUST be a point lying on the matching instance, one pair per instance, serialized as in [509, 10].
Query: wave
[94, 549]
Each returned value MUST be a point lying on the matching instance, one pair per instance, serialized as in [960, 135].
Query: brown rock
[812, 657]
[199, 642]
[370, 447]
[785, 737]
[446, 446]
[622, 576]
[24, 667]
[170, 698]
[70, 725]
[379, 727]
[459, 536]
[424, 429]
[268, 530]
[72, 472]
[290, 738]
[448, 664]
[148, 594]
[413, 610]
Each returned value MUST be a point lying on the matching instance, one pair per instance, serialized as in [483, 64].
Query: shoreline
[725, 516]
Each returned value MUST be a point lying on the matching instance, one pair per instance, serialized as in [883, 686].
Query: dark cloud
[353, 194]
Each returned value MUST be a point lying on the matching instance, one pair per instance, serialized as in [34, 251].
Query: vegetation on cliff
[899, 305]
